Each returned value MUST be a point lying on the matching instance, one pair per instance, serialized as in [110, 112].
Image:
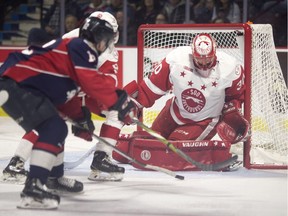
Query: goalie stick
[204, 167]
[147, 166]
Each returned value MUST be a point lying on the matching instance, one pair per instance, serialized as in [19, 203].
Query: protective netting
[269, 100]
[269, 95]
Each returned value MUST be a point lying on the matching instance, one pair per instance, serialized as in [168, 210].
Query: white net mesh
[269, 100]
[269, 109]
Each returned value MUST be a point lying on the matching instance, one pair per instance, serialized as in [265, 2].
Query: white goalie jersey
[196, 97]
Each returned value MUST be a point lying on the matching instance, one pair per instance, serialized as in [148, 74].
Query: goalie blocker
[145, 148]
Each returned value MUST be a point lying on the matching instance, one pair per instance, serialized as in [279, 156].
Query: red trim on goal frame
[247, 66]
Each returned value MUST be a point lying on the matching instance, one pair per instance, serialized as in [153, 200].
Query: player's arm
[236, 91]
[109, 68]
[154, 87]
[78, 112]
[233, 127]
[150, 89]
[97, 85]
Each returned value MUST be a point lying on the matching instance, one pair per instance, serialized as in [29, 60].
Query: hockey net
[266, 96]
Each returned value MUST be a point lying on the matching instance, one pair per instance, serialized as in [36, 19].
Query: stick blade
[180, 177]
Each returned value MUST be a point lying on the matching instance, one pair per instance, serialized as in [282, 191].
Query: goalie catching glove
[233, 126]
[86, 124]
[125, 107]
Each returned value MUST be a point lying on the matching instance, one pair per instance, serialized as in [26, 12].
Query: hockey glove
[137, 112]
[124, 106]
[132, 89]
[86, 123]
[233, 127]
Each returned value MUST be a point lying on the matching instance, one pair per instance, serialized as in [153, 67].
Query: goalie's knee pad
[27, 109]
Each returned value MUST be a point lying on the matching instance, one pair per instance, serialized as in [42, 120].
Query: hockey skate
[35, 196]
[233, 167]
[14, 172]
[102, 169]
[64, 185]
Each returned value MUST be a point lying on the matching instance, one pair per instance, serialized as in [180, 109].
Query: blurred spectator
[175, 9]
[50, 26]
[254, 8]
[161, 18]
[94, 5]
[71, 22]
[220, 20]
[147, 12]
[51, 21]
[131, 30]
[117, 5]
[203, 11]
[134, 3]
[275, 13]
[6, 7]
[227, 9]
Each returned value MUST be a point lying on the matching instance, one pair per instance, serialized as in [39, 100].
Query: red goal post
[266, 96]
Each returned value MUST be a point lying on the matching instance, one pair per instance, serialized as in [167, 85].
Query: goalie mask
[97, 31]
[108, 17]
[204, 54]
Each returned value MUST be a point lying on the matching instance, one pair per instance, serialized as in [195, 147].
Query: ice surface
[240, 193]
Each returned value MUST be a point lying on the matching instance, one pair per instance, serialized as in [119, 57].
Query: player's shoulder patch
[78, 45]
[81, 53]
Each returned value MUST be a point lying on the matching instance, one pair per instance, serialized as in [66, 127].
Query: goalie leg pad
[123, 144]
[151, 151]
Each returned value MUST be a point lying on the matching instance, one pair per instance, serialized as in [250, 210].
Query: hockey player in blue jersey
[102, 166]
[37, 80]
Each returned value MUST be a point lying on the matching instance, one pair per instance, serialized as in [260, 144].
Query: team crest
[193, 100]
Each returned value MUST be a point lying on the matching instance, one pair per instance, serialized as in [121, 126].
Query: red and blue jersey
[59, 69]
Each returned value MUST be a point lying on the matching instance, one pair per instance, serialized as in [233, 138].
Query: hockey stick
[147, 166]
[205, 167]
[71, 165]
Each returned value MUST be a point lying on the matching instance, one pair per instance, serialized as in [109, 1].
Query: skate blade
[65, 193]
[233, 167]
[31, 203]
[13, 179]
[96, 175]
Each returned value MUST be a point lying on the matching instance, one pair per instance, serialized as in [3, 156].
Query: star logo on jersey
[203, 87]
[193, 100]
[214, 84]
[182, 74]
[92, 57]
[190, 83]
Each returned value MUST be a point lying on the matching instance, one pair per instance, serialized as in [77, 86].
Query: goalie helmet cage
[266, 95]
